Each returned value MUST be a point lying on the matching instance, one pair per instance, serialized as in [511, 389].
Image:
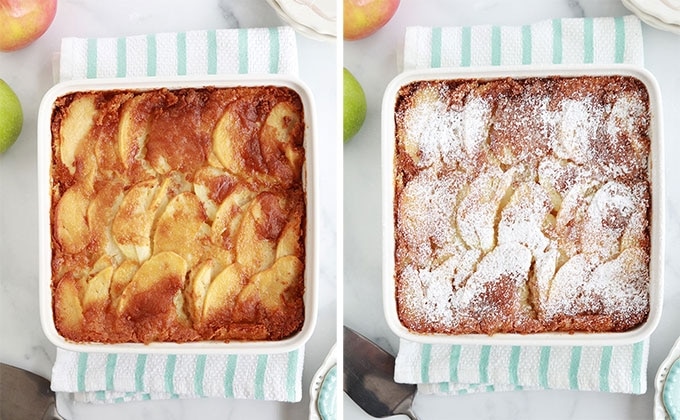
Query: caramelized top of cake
[178, 215]
[522, 205]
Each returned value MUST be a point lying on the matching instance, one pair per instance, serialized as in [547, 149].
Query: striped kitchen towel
[221, 51]
[556, 41]
[96, 377]
[460, 369]
[99, 377]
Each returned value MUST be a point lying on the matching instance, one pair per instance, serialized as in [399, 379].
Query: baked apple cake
[178, 215]
[522, 205]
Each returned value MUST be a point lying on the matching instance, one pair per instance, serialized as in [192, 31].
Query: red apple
[24, 21]
[364, 17]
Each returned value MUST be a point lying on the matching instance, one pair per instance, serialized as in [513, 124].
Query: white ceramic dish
[44, 139]
[660, 379]
[657, 218]
[320, 396]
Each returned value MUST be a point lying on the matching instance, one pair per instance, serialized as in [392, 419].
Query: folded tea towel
[193, 53]
[121, 377]
[557, 41]
[460, 369]
[97, 377]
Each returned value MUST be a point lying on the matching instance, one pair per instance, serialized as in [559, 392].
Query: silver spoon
[369, 378]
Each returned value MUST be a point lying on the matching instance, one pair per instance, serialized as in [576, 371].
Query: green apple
[11, 116]
[361, 18]
[354, 106]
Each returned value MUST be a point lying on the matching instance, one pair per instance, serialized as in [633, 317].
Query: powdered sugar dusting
[433, 130]
[476, 121]
[577, 126]
[476, 214]
[427, 203]
[526, 206]
[522, 218]
[442, 133]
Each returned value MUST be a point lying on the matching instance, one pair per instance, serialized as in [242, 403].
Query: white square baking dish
[656, 222]
[309, 171]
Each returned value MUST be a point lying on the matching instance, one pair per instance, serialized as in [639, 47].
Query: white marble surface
[374, 63]
[29, 72]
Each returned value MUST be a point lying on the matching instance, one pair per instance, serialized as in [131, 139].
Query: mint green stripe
[170, 374]
[146, 397]
[526, 44]
[543, 366]
[466, 47]
[139, 372]
[119, 400]
[243, 50]
[636, 377]
[291, 376]
[82, 370]
[181, 53]
[588, 53]
[604, 368]
[454, 360]
[200, 373]
[100, 395]
[229, 374]
[91, 58]
[425, 353]
[260, 371]
[495, 46]
[121, 58]
[150, 55]
[484, 364]
[274, 50]
[212, 52]
[557, 41]
[619, 40]
[514, 365]
[110, 370]
[573, 367]
[436, 50]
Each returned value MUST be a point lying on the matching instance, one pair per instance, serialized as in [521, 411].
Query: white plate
[666, 11]
[316, 19]
[657, 218]
[660, 379]
[44, 228]
[651, 20]
[317, 383]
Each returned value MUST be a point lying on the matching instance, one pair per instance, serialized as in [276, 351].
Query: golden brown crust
[522, 205]
[178, 215]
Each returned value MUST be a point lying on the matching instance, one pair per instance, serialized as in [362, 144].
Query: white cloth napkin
[460, 369]
[96, 377]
